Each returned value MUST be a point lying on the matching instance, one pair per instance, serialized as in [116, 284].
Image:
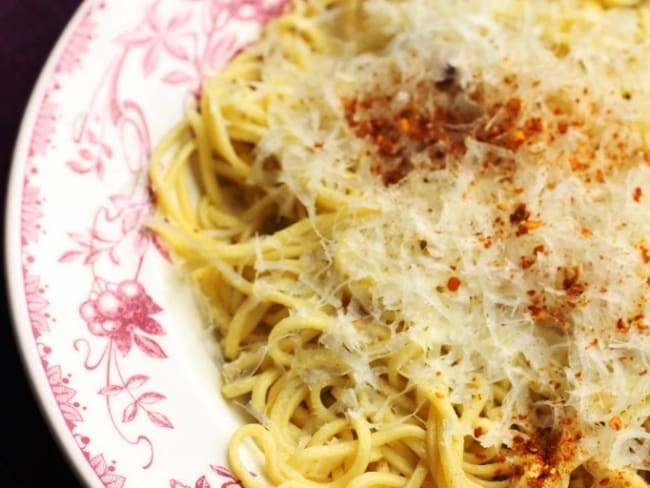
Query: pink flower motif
[124, 315]
[160, 36]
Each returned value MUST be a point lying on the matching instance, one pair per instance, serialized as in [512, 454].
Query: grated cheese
[520, 253]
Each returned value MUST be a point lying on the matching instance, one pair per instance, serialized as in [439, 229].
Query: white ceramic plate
[111, 339]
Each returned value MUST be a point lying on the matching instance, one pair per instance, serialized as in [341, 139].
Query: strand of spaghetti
[246, 318]
[249, 107]
[186, 216]
[206, 279]
[331, 200]
[616, 478]
[205, 159]
[211, 217]
[249, 361]
[485, 455]
[239, 387]
[396, 361]
[285, 327]
[397, 461]
[295, 49]
[418, 476]
[245, 131]
[346, 448]
[327, 431]
[489, 471]
[218, 135]
[445, 442]
[316, 406]
[244, 66]
[156, 179]
[297, 23]
[282, 408]
[284, 475]
[246, 252]
[494, 484]
[402, 448]
[472, 409]
[373, 479]
[261, 388]
[266, 443]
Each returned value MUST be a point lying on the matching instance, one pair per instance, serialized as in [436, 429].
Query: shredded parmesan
[520, 250]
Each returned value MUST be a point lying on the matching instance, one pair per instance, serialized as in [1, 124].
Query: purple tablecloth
[29, 455]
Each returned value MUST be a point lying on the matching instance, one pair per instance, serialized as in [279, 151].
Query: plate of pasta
[340, 243]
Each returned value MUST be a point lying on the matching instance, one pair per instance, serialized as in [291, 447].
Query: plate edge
[18, 314]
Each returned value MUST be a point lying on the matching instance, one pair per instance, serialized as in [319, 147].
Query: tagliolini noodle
[422, 232]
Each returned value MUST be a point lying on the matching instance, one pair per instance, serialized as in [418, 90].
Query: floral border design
[120, 315]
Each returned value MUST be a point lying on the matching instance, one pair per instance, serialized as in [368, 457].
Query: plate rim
[17, 306]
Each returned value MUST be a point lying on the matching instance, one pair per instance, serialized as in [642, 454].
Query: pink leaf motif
[202, 482]
[110, 390]
[153, 18]
[178, 484]
[149, 346]
[98, 464]
[100, 168]
[150, 306]
[123, 342]
[86, 154]
[177, 77]
[179, 20]
[63, 393]
[177, 50]
[134, 39]
[151, 58]
[112, 480]
[54, 375]
[32, 284]
[225, 473]
[107, 150]
[114, 110]
[80, 239]
[231, 484]
[151, 326]
[71, 414]
[221, 50]
[150, 397]
[104, 216]
[129, 412]
[160, 420]
[68, 256]
[221, 471]
[136, 381]
[78, 167]
[93, 256]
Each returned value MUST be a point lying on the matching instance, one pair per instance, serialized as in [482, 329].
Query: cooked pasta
[421, 230]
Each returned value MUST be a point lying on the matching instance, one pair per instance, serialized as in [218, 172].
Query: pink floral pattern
[225, 480]
[118, 336]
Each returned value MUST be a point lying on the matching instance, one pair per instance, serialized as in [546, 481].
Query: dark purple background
[30, 457]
